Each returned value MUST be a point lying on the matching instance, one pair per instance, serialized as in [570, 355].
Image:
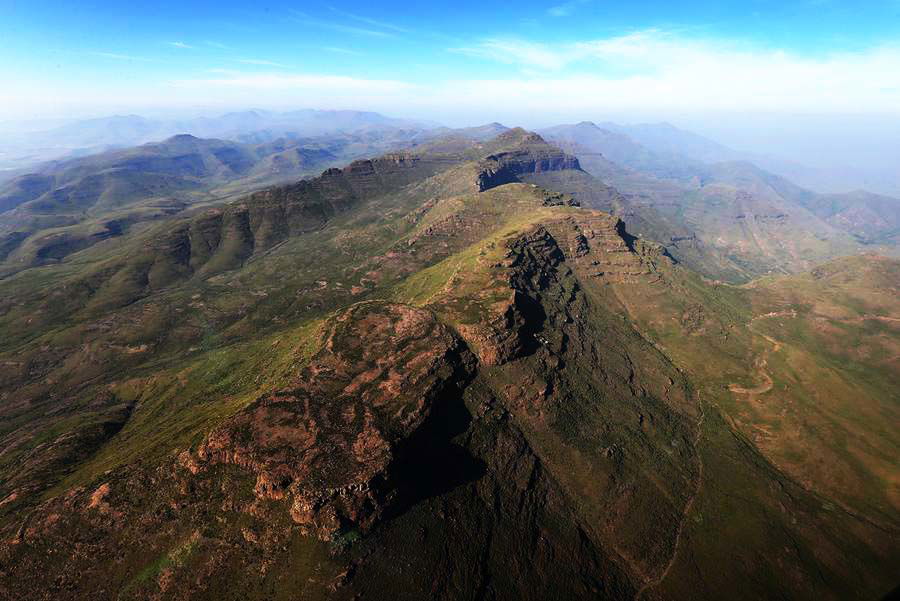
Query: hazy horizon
[816, 81]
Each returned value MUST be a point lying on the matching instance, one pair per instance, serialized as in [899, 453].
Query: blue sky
[462, 60]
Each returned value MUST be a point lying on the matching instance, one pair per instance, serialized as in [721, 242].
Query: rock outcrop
[591, 244]
[330, 442]
[532, 156]
[599, 246]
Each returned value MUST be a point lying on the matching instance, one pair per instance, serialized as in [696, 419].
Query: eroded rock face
[599, 247]
[592, 244]
[536, 156]
[225, 237]
[328, 443]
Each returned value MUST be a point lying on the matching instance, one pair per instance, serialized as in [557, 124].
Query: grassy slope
[144, 184]
[823, 424]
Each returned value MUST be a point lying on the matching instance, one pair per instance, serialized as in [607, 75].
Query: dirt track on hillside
[762, 360]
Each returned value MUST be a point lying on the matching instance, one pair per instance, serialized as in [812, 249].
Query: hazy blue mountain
[668, 139]
[90, 136]
[622, 149]
[732, 206]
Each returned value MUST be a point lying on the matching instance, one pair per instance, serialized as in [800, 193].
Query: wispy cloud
[122, 57]
[339, 50]
[369, 21]
[297, 81]
[514, 51]
[565, 9]
[661, 72]
[256, 61]
[179, 45]
[656, 69]
[305, 19]
[646, 49]
[218, 45]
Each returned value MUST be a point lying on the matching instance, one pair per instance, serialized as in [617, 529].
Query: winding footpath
[760, 364]
[762, 361]
[766, 386]
[684, 514]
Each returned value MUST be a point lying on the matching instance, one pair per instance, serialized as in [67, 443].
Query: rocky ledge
[330, 443]
[533, 156]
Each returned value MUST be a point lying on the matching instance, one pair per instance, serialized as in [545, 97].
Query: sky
[533, 63]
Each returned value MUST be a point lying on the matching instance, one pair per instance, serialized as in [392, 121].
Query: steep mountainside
[67, 206]
[872, 218]
[422, 375]
[622, 150]
[73, 185]
[71, 205]
[74, 204]
[749, 221]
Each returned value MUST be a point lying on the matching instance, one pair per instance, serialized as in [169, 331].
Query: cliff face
[330, 442]
[535, 156]
[224, 238]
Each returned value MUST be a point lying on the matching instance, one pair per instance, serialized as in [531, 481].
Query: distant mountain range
[24, 145]
[669, 142]
[129, 130]
[727, 219]
[19, 150]
[67, 205]
[733, 205]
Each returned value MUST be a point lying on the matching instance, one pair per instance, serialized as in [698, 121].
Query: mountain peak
[523, 153]
[179, 140]
[520, 135]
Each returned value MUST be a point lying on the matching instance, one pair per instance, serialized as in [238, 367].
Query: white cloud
[656, 69]
[179, 45]
[565, 9]
[649, 72]
[256, 61]
[305, 19]
[121, 57]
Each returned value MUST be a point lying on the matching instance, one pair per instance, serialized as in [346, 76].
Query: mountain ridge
[502, 394]
[714, 200]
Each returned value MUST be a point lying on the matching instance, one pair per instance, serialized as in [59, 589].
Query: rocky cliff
[535, 156]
